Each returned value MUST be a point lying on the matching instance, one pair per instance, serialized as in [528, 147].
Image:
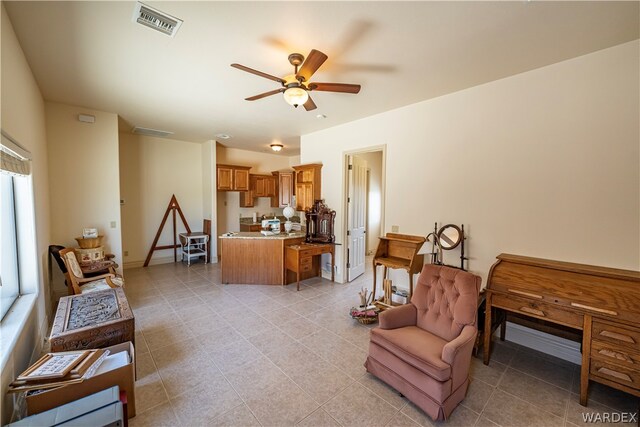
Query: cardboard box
[123, 377]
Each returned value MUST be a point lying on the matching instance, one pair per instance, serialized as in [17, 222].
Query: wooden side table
[299, 259]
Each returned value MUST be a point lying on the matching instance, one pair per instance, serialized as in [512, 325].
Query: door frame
[345, 191]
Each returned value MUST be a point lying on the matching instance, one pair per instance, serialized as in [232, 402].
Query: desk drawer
[538, 310]
[306, 260]
[624, 336]
[306, 267]
[614, 353]
[616, 373]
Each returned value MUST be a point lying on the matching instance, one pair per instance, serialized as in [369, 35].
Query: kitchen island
[252, 258]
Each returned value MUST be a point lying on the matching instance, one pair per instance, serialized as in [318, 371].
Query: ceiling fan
[296, 86]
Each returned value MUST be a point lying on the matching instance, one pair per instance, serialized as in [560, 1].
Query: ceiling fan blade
[311, 65]
[258, 73]
[335, 87]
[310, 105]
[264, 95]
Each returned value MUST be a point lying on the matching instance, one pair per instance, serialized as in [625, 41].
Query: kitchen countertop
[258, 235]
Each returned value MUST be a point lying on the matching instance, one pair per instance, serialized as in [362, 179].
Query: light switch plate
[113, 224]
[395, 228]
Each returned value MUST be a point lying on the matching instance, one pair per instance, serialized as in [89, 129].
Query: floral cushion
[97, 285]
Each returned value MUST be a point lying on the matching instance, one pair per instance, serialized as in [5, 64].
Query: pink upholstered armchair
[423, 349]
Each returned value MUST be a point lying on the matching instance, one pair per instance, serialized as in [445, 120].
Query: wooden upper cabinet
[247, 200]
[308, 180]
[225, 178]
[283, 194]
[241, 179]
[262, 185]
[232, 178]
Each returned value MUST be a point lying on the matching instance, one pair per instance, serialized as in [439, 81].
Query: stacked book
[59, 369]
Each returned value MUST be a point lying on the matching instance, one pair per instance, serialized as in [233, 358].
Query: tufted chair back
[446, 300]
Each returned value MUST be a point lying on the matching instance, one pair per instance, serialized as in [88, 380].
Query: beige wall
[544, 163]
[152, 170]
[23, 117]
[84, 178]
[374, 198]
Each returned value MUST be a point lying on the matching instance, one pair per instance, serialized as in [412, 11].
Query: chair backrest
[54, 250]
[446, 299]
[74, 272]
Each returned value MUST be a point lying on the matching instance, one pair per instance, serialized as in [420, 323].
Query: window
[16, 195]
[9, 275]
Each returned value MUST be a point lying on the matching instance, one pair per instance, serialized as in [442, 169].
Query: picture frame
[53, 365]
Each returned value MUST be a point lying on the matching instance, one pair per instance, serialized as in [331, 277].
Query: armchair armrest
[457, 354]
[398, 317]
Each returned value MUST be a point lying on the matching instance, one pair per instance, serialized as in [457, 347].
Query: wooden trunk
[92, 320]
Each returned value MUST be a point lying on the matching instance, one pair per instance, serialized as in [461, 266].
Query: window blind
[14, 159]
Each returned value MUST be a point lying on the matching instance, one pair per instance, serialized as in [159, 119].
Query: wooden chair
[78, 284]
[399, 251]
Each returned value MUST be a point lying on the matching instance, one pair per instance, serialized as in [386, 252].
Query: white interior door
[357, 217]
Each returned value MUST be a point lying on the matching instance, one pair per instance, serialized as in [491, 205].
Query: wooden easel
[173, 207]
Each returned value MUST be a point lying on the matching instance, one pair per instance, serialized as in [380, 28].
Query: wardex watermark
[610, 417]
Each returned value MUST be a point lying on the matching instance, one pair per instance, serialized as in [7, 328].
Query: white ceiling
[91, 54]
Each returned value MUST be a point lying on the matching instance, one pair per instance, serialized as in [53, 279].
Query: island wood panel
[254, 261]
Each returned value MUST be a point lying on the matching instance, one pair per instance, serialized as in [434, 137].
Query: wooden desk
[399, 251]
[304, 258]
[604, 303]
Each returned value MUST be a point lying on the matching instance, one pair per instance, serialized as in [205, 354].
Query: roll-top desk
[602, 302]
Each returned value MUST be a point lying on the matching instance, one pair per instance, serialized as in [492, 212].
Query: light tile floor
[242, 355]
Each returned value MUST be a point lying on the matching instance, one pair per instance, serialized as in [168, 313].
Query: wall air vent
[153, 18]
[151, 132]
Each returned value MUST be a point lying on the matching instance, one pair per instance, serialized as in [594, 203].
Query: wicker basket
[89, 242]
[367, 320]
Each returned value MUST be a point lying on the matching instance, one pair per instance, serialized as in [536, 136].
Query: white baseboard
[546, 343]
[154, 261]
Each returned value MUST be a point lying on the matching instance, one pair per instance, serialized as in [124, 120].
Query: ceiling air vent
[153, 18]
[151, 132]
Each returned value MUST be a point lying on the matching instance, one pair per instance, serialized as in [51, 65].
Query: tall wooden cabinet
[232, 178]
[284, 189]
[308, 185]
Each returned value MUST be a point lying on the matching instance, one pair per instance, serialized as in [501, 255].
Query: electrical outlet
[113, 224]
[126, 253]
[395, 228]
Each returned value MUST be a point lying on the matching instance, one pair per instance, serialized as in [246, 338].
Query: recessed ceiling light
[321, 116]
[222, 136]
[276, 146]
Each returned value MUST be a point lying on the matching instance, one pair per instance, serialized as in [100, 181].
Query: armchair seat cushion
[416, 347]
[97, 285]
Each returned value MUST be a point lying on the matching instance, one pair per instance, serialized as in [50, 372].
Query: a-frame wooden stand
[173, 207]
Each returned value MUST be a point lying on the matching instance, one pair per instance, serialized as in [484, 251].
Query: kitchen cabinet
[232, 178]
[250, 227]
[246, 199]
[263, 185]
[284, 190]
[308, 185]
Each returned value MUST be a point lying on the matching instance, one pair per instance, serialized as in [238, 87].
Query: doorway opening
[364, 198]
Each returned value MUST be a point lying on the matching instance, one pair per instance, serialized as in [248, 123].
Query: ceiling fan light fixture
[296, 96]
[276, 146]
